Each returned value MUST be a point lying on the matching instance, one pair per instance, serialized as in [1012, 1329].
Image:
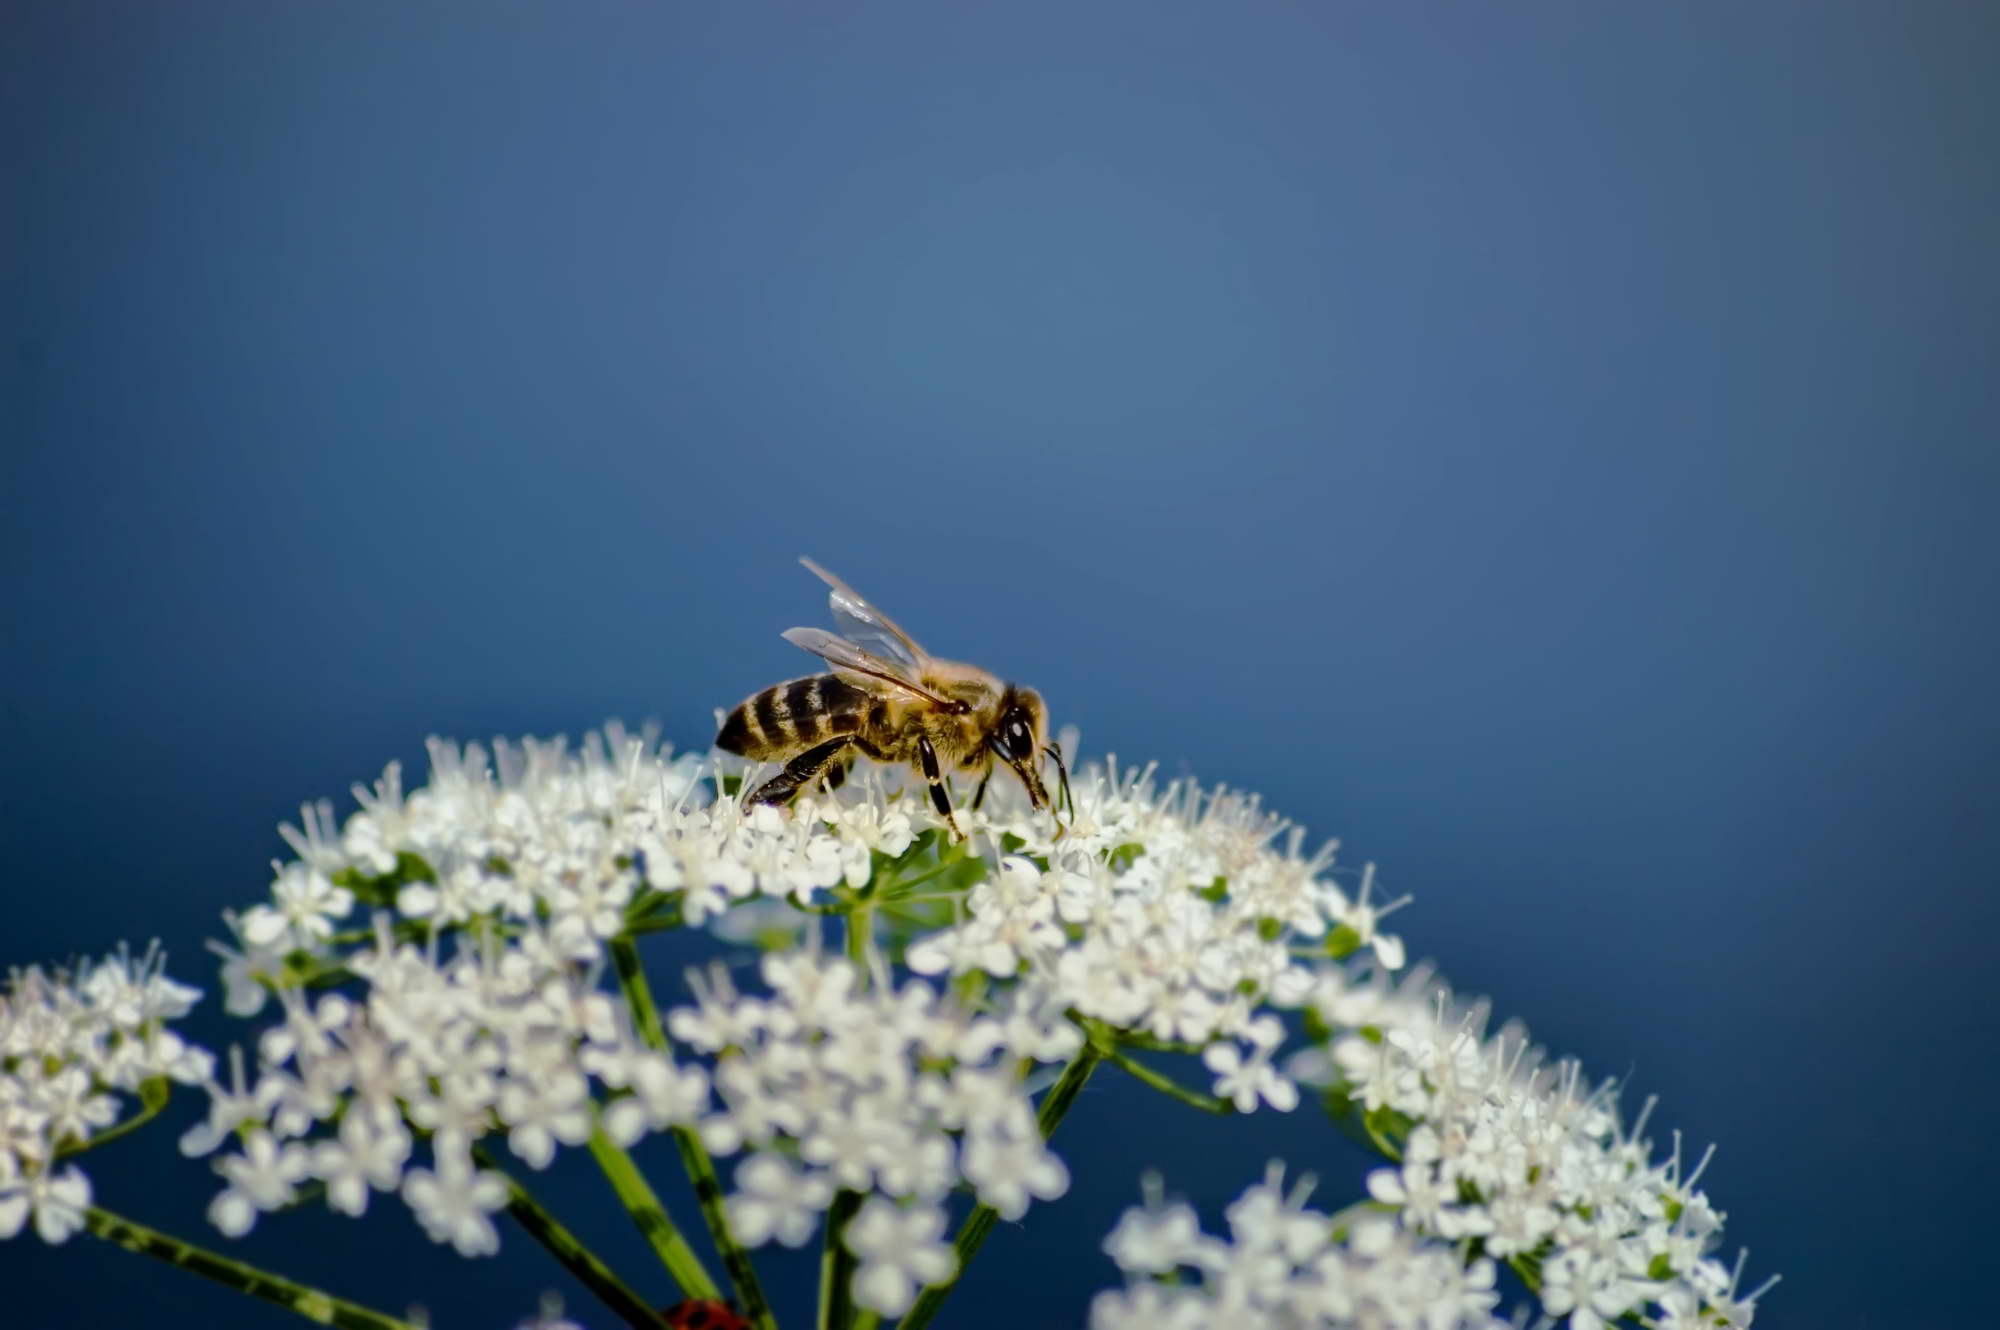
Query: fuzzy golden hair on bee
[889, 700]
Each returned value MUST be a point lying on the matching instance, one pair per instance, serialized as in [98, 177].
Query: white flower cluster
[472, 1005]
[1287, 1265]
[505, 1034]
[478, 1006]
[1518, 1153]
[894, 1091]
[1175, 911]
[70, 1044]
[539, 833]
[438, 964]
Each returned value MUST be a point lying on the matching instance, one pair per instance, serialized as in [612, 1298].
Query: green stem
[153, 1094]
[1381, 1142]
[1139, 1039]
[643, 1204]
[899, 888]
[568, 1249]
[1107, 1038]
[708, 1191]
[1165, 1084]
[836, 1264]
[310, 1303]
[655, 913]
[638, 993]
[860, 932]
[694, 1155]
[1356, 1123]
[972, 1234]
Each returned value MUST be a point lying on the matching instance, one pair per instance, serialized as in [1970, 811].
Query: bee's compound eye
[1018, 737]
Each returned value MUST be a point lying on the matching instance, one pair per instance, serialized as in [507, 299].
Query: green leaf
[381, 890]
[964, 873]
[368, 890]
[1386, 1124]
[1122, 858]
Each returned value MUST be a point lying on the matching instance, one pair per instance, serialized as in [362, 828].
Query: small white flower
[900, 1252]
[1244, 1081]
[1150, 1307]
[1007, 1168]
[455, 1202]
[371, 1152]
[306, 906]
[263, 1177]
[864, 828]
[247, 973]
[1587, 1285]
[72, 1108]
[663, 1094]
[240, 1105]
[540, 1110]
[131, 994]
[58, 1202]
[550, 1318]
[774, 1198]
[1155, 1238]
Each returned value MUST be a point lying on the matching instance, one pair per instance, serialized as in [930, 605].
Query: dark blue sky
[1550, 449]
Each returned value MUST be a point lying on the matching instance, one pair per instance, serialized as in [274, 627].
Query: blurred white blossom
[900, 1252]
[1286, 1264]
[74, 1046]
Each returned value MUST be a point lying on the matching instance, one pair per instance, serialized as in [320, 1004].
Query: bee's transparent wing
[867, 627]
[848, 658]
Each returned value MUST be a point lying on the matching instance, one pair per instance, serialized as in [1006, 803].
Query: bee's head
[1021, 737]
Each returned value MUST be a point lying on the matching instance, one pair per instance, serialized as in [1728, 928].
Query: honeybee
[889, 700]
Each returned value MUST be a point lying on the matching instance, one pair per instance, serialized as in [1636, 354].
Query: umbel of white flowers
[459, 966]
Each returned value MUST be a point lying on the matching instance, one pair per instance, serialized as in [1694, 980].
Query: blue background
[1548, 449]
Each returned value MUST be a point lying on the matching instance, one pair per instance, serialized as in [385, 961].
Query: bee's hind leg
[802, 771]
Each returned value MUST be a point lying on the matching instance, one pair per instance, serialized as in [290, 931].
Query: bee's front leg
[800, 772]
[940, 797]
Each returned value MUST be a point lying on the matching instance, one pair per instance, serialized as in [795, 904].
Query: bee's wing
[866, 626]
[845, 656]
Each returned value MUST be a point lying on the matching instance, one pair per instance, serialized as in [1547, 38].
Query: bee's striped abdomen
[790, 717]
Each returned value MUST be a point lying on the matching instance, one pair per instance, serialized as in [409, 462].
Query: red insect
[705, 1314]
